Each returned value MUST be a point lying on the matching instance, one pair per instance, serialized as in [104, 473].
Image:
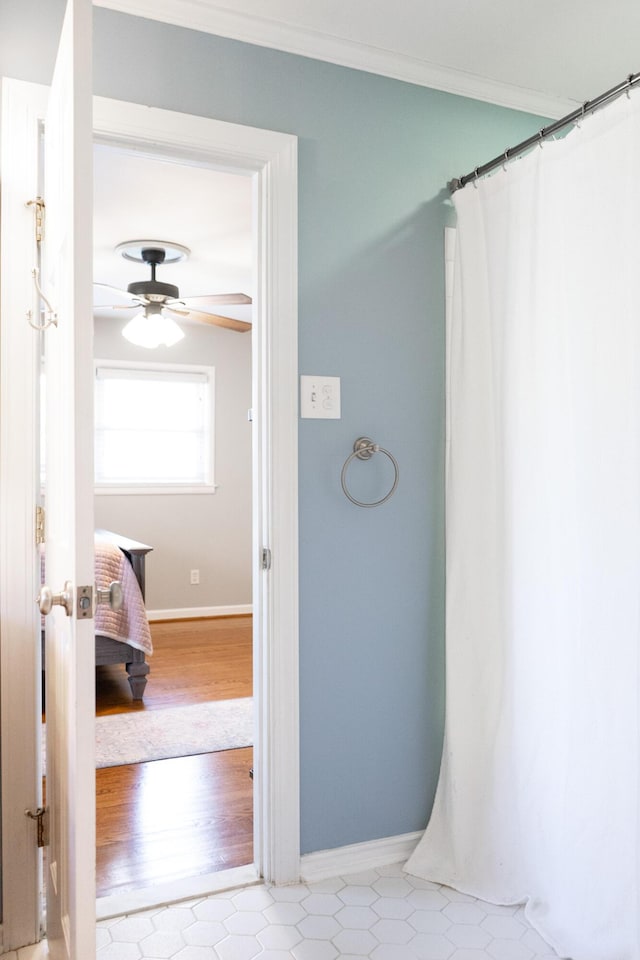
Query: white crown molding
[209, 18]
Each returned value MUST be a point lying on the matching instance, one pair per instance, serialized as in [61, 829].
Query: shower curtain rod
[587, 107]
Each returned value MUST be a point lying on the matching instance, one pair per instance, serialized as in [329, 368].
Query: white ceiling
[539, 55]
[543, 56]
[137, 197]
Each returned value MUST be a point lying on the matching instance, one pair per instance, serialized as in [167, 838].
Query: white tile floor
[382, 914]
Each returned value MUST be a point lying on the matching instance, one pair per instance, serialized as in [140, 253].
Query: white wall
[208, 532]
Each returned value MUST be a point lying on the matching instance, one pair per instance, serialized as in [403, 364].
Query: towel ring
[364, 449]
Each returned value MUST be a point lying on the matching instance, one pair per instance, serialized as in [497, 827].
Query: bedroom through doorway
[174, 475]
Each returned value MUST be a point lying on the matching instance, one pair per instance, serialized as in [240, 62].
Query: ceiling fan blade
[118, 306]
[213, 319]
[110, 286]
[114, 293]
[216, 299]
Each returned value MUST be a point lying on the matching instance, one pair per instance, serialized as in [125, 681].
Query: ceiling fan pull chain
[51, 319]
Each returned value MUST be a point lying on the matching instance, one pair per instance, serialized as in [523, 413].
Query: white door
[69, 644]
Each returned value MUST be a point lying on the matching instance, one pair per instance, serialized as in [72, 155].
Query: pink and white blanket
[129, 624]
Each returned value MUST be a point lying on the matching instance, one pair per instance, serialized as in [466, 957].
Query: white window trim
[165, 489]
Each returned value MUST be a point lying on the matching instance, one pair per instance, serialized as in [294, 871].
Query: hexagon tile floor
[382, 914]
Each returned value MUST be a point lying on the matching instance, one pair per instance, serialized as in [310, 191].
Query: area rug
[174, 732]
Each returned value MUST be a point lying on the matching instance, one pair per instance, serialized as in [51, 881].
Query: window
[153, 428]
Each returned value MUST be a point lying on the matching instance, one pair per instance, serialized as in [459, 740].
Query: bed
[121, 636]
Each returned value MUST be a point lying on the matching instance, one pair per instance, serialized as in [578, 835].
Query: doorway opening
[174, 745]
[173, 518]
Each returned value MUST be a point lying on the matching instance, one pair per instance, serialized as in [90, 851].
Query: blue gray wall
[375, 157]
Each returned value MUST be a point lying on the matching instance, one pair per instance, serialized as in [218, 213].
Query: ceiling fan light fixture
[152, 328]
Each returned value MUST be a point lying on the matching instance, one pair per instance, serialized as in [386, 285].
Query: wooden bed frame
[114, 651]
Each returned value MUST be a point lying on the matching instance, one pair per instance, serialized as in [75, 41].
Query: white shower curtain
[538, 798]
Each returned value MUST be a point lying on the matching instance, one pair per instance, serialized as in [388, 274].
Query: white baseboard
[192, 613]
[324, 864]
[357, 857]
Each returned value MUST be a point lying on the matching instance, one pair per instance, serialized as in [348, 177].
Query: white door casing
[271, 160]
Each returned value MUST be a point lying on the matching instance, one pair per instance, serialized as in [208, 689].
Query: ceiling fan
[160, 304]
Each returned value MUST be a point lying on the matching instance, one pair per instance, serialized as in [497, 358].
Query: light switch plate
[320, 397]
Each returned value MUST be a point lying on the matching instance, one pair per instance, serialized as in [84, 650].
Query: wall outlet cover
[320, 397]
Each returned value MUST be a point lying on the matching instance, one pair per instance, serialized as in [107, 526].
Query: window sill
[169, 489]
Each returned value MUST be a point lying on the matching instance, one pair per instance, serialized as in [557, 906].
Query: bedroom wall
[208, 532]
[375, 155]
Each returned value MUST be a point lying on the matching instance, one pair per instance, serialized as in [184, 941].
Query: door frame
[270, 158]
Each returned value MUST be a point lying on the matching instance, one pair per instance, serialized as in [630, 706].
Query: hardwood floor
[169, 819]
[193, 661]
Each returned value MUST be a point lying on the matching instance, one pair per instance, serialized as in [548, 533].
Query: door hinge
[38, 209]
[41, 816]
[265, 561]
[39, 525]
